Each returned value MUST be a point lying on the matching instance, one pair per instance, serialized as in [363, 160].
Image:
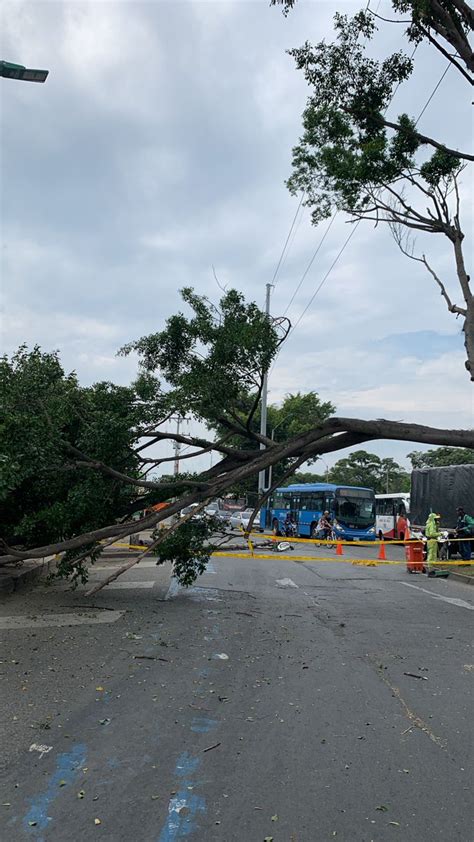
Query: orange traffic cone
[339, 549]
[381, 554]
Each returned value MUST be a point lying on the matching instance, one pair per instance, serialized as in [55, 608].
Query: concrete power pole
[177, 447]
[263, 413]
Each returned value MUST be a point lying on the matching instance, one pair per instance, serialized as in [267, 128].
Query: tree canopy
[351, 157]
[369, 471]
[441, 456]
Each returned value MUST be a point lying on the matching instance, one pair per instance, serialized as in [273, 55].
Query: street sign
[19, 71]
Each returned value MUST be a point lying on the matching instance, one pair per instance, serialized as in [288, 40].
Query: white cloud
[159, 146]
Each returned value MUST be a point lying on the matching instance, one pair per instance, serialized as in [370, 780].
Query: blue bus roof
[321, 486]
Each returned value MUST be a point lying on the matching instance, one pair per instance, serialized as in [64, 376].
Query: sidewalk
[13, 578]
[26, 573]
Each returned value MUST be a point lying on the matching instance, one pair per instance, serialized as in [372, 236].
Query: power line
[287, 240]
[432, 93]
[341, 250]
[310, 263]
[295, 231]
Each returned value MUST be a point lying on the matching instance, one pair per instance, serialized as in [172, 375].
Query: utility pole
[177, 447]
[263, 404]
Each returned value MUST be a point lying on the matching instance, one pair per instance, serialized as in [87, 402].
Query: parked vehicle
[392, 515]
[241, 519]
[352, 510]
[214, 510]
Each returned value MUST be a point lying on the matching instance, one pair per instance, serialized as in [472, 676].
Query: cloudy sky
[159, 147]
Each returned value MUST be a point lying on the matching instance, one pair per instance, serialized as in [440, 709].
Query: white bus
[392, 513]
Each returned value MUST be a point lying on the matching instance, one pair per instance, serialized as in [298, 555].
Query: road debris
[414, 675]
[209, 748]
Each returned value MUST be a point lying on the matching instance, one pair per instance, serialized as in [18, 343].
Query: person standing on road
[464, 528]
[432, 535]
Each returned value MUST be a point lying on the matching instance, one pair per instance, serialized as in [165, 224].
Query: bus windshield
[355, 507]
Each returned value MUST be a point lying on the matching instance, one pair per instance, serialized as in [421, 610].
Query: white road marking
[25, 621]
[129, 585]
[451, 599]
[41, 749]
[286, 583]
[120, 562]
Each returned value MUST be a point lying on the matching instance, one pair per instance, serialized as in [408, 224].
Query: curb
[461, 577]
[13, 579]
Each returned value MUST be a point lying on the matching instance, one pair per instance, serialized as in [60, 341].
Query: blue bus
[352, 510]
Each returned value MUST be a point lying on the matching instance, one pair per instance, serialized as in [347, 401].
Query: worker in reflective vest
[432, 534]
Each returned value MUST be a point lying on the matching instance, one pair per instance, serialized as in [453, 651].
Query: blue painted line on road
[185, 807]
[202, 725]
[67, 768]
[186, 764]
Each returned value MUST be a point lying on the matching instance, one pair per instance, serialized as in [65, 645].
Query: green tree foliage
[303, 477]
[47, 493]
[369, 471]
[212, 359]
[351, 157]
[441, 456]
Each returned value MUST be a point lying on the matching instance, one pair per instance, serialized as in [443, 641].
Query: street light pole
[263, 410]
[177, 447]
[25, 74]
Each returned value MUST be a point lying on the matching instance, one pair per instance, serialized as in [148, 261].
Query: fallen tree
[209, 363]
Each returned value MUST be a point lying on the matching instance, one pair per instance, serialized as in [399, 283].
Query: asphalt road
[271, 701]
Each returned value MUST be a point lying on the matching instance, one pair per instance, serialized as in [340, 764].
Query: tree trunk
[464, 281]
[469, 337]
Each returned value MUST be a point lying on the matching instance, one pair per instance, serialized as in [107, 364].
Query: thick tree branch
[427, 34]
[423, 138]
[156, 543]
[332, 435]
[85, 461]
[451, 33]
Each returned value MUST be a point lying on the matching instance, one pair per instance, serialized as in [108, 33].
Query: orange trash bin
[414, 557]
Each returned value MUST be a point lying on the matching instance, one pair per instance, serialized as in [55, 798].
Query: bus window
[305, 501]
[329, 503]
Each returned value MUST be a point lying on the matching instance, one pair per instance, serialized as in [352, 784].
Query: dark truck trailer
[441, 490]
